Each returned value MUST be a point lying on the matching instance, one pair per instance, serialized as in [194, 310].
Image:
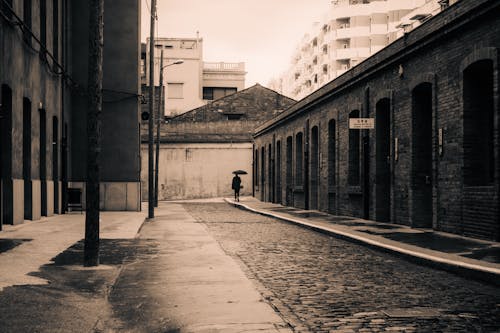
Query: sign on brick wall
[361, 123]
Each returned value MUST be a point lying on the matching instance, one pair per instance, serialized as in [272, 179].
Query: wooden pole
[96, 43]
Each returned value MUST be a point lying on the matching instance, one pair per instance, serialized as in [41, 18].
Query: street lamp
[158, 123]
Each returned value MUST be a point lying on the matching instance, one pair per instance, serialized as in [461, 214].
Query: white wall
[199, 170]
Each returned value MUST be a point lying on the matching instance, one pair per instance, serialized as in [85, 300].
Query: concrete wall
[190, 171]
[392, 185]
[120, 116]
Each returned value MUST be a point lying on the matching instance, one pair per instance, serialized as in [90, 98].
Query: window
[27, 20]
[354, 145]
[478, 97]
[208, 93]
[299, 155]
[325, 69]
[331, 153]
[7, 8]
[256, 168]
[55, 29]
[175, 90]
[43, 23]
[211, 93]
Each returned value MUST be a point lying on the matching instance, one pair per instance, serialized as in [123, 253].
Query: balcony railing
[224, 66]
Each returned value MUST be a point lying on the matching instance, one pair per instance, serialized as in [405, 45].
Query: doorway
[43, 161]
[6, 191]
[422, 156]
[278, 172]
[28, 195]
[382, 161]
[289, 170]
[314, 167]
[55, 162]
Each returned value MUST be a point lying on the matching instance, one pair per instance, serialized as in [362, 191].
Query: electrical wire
[43, 52]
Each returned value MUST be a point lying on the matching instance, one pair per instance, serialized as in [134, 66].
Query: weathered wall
[189, 171]
[435, 56]
[28, 75]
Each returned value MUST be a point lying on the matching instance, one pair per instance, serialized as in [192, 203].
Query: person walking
[236, 187]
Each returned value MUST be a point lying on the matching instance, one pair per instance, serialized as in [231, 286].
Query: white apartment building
[194, 82]
[350, 32]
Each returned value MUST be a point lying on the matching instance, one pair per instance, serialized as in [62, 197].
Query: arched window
[478, 123]
[331, 152]
[354, 147]
[299, 159]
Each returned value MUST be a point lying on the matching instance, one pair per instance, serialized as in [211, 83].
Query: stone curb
[483, 273]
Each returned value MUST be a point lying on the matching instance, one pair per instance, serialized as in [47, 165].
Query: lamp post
[151, 209]
[158, 123]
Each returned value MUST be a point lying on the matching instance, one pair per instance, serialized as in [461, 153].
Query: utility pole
[151, 209]
[159, 116]
[94, 91]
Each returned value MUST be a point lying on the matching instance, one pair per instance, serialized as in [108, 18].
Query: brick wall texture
[416, 167]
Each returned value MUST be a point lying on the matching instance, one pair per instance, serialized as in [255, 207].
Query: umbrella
[240, 172]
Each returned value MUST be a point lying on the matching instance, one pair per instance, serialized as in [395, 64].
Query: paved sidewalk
[466, 256]
[34, 243]
[187, 283]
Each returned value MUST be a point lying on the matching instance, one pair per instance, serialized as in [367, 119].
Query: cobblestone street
[319, 283]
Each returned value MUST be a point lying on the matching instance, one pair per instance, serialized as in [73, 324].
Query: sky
[261, 33]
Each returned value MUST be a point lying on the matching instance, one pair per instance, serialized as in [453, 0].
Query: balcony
[349, 53]
[378, 29]
[343, 33]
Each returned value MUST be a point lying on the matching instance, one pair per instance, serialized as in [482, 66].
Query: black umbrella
[240, 172]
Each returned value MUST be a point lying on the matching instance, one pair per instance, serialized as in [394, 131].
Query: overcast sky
[261, 33]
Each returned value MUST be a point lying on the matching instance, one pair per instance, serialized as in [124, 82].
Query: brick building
[43, 77]
[432, 159]
[200, 148]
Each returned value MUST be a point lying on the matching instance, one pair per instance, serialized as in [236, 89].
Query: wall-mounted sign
[361, 123]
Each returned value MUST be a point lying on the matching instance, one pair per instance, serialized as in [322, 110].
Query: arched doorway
[6, 190]
[421, 176]
[382, 161]
[314, 180]
[480, 186]
[42, 158]
[289, 171]
[332, 160]
[28, 195]
[278, 172]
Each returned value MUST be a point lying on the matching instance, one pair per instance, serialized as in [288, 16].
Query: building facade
[194, 82]
[43, 75]
[200, 148]
[431, 158]
[349, 33]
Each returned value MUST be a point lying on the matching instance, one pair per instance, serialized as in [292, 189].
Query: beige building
[349, 33]
[194, 82]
